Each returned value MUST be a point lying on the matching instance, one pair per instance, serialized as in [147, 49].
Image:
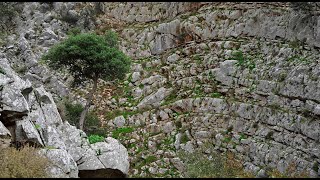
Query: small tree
[89, 57]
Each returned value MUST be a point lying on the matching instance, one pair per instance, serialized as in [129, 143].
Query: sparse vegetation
[243, 61]
[112, 114]
[150, 159]
[8, 10]
[295, 44]
[197, 58]
[199, 165]
[290, 172]
[282, 76]
[172, 97]
[21, 69]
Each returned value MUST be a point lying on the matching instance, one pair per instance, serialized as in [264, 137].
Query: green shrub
[216, 95]
[19, 164]
[150, 159]
[89, 57]
[74, 31]
[116, 133]
[184, 138]
[95, 138]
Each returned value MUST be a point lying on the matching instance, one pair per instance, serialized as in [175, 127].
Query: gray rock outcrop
[35, 119]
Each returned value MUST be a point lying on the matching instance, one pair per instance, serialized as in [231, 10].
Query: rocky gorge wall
[28, 111]
[187, 83]
[187, 88]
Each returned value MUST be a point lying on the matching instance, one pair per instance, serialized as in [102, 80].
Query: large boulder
[112, 154]
[62, 164]
[108, 157]
[153, 100]
[13, 101]
[26, 130]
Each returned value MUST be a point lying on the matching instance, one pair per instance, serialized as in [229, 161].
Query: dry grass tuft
[23, 163]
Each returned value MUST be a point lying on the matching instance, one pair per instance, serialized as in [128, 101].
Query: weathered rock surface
[188, 87]
[5, 136]
[35, 118]
[112, 154]
[262, 104]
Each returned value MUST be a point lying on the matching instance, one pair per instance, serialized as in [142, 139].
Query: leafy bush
[95, 138]
[89, 57]
[74, 31]
[19, 164]
[184, 138]
[116, 133]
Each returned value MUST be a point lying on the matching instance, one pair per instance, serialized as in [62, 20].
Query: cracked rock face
[265, 102]
[268, 106]
[35, 118]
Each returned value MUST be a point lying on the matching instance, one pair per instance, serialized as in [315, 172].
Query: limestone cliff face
[186, 82]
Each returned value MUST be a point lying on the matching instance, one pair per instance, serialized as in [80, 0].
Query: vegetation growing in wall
[21, 68]
[290, 172]
[198, 165]
[243, 61]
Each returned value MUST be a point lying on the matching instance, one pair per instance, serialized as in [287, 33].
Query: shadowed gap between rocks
[101, 173]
